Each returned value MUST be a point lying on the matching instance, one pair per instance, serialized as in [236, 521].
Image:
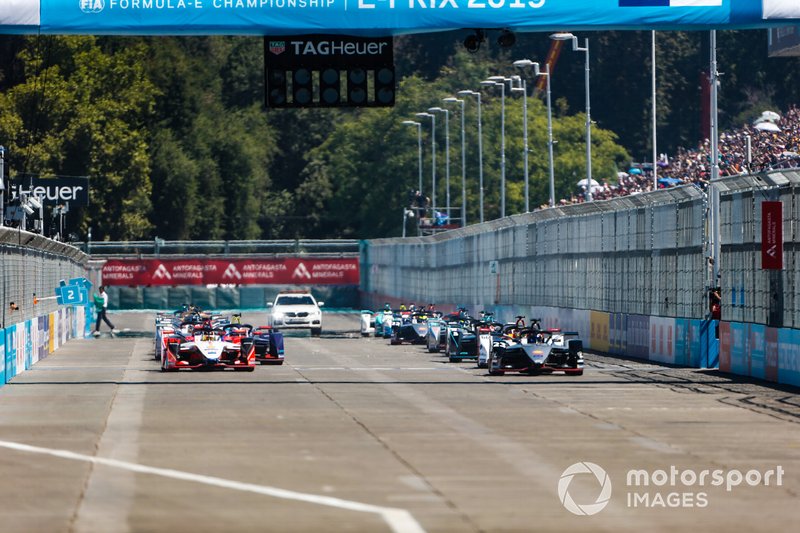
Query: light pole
[433, 156]
[522, 63]
[576, 48]
[419, 148]
[655, 118]
[524, 90]
[446, 151]
[480, 148]
[713, 191]
[452, 100]
[502, 85]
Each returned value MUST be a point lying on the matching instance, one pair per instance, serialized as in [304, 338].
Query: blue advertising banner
[28, 344]
[789, 356]
[11, 352]
[381, 17]
[639, 336]
[3, 358]
[758, 348]
[740, 349]
[681, 341]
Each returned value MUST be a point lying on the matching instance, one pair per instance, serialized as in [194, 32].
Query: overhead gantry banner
[382, 17]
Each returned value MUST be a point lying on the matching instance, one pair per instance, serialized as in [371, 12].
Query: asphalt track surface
[352, 434]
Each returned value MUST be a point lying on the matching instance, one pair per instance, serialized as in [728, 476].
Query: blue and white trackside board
[382, 17]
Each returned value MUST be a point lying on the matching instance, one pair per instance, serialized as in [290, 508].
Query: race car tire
[496, 373]
[433, 350]
[453, 359]
[316, 332]
[245, 369]
[483, 365]
[168, 369]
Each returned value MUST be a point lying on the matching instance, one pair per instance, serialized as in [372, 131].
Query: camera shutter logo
[602, 498]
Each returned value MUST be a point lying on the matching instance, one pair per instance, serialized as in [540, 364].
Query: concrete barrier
[24, 344]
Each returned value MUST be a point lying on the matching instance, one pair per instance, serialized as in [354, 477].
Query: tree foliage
[173, 135]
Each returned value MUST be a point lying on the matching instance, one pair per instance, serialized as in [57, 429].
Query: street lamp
[523, 63]
[494, 83]
[480, 148]
[452, 100]
[446, 151]
[576, 48]
[433, 156]
[419, 148]
[524, 90]
[407, 214]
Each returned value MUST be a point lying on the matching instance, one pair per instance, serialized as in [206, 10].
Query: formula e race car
[367, 323]
[436, 339]
[183, 320]
[383, 323]
[468, 339]
[269, 346]
[539, 352]
[412, 329]
[208, 348]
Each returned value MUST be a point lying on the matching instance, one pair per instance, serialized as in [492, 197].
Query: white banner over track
[383, 18]
[781, 9]
[19, 13]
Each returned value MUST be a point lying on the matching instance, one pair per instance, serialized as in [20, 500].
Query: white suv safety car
[296, 310]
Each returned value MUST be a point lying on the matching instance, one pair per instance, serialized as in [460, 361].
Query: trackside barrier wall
[760, 335]
[630, 274]
[33, 265]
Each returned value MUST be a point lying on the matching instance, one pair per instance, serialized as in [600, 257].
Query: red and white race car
[209, 348]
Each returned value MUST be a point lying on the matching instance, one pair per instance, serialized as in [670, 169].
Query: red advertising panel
[288, 271]
[772, 235]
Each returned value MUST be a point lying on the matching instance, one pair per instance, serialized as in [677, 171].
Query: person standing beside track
[101, 302]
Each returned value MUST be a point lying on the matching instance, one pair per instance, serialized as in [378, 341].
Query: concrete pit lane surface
[352, 434]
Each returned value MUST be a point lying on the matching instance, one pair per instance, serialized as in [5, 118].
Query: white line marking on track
[399, 520]
[372, 368]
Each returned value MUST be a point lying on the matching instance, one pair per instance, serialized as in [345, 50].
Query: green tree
[84, 116]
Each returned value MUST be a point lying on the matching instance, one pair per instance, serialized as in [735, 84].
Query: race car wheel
[453, 359]
[496, 373]
[245, 369]
[316, 332]
[483, 365]
[433, 350]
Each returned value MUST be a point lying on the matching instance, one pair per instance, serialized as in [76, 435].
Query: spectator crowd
[774, 140]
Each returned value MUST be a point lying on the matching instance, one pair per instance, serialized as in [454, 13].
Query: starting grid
[629, 274]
